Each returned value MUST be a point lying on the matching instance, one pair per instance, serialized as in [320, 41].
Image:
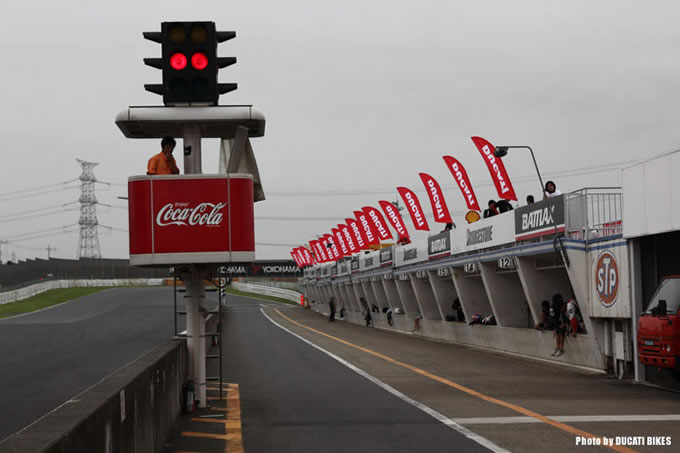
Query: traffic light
[189, 63]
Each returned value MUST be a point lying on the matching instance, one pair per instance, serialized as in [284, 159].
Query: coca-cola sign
[178, 213]
[191, 219]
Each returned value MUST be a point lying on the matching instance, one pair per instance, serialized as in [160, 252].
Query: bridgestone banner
[539, 219]
[496, 168]
[414, 208]
[461, 178]
[434, 191]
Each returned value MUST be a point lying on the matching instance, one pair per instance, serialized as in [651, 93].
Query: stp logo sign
[607, 278]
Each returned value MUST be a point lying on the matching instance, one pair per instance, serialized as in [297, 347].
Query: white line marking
[568, 419]
[428, 410]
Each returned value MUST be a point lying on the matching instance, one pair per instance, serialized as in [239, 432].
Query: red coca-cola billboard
[177, 219]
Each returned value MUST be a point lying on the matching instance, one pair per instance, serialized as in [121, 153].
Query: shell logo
[472, 216]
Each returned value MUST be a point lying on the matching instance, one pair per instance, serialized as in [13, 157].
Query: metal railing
[594, 212]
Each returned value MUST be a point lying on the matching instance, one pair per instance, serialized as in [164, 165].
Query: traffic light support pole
[196, 288]
[192, 149]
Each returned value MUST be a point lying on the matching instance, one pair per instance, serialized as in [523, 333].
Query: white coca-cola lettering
[378, 223]
[435, 198]
[395, 220]
[463, 185]
[367, 228]
[494, 165]
[357, 234]
[181, 214]
[414, 208]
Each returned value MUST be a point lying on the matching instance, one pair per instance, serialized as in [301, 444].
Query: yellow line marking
[206, 435]
[232, 424]
[462, 388]
[209, 420]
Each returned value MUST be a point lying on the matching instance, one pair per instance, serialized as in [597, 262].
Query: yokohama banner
[367, 226]
[395, 219]
[378, 221]
[434, 191]
[340, 241]
[461, 177]
[496, 168]
[350, 239]
[414, 208]
[358, 232]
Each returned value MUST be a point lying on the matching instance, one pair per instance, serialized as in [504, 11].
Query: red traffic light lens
[178, 61]
[199, 61]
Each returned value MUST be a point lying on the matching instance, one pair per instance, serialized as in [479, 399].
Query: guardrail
[30, 291]
[594, 213]
[287, 294]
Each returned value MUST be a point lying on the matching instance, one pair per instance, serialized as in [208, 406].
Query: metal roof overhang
[215, 122]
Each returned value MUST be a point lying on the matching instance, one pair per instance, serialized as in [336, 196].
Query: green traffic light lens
[199, 87]
[179, 88]
[177, 34]
[198, 34]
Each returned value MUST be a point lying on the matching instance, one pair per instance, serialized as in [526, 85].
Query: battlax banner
[434, 191]
[496, 168]
[414, 208]
[378, 222]
[395, 219]
[461, 177]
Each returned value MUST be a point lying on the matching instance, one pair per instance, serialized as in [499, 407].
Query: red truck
[659, 327]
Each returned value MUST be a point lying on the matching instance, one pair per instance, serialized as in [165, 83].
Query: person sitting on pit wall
[492, 211]
[375, 308]
[572, 309]
[530, 199]
[551, 190]
[544, 324]
[503, 206]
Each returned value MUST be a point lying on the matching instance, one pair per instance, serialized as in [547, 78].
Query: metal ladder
[221, 298]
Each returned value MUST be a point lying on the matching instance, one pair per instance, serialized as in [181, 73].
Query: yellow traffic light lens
[198, 34]
[176, 34]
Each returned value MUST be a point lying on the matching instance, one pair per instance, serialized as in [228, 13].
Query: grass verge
[259, 296]
[46, 299]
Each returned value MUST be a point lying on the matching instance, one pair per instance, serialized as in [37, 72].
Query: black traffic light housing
[189, 63]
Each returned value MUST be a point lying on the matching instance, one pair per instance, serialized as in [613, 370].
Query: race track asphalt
[48, 357]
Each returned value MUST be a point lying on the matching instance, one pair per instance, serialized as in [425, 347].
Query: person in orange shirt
[163, 163]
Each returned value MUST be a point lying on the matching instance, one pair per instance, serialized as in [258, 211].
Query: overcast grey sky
[359, 97]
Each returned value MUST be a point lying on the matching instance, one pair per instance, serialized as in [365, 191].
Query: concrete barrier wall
[30, 291]
[132, 410]
[287, 294]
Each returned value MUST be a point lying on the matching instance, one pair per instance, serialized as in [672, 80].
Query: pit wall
[130, 411]
[513, 294]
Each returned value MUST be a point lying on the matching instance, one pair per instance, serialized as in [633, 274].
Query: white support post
[196, 332]
[192, 149]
